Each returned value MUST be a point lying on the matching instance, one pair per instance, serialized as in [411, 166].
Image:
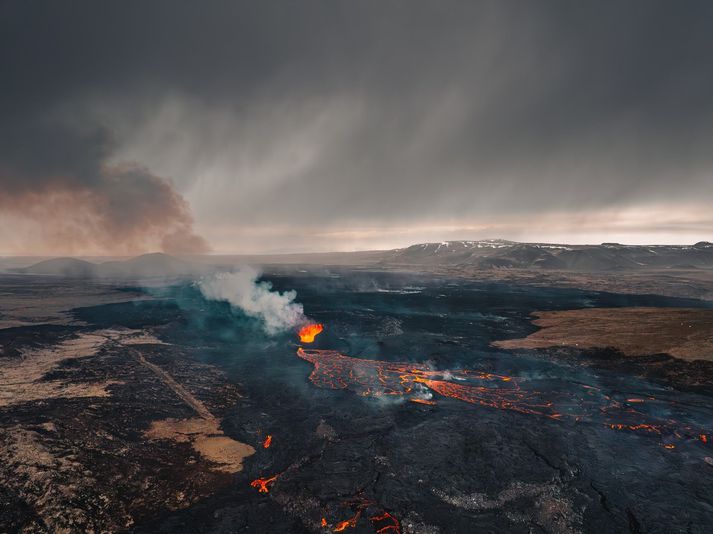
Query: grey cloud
[327, 113]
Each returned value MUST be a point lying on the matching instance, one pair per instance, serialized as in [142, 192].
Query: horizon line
[314, 252]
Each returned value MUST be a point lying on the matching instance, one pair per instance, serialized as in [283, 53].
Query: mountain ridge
[155, 264]
[481, 254]
[497, 253]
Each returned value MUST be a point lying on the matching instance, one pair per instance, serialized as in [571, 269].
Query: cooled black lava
[342, 458]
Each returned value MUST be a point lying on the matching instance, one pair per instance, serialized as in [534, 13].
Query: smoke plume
[62, 179]
[276, 311]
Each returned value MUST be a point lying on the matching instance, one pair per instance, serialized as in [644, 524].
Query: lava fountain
[308, 332]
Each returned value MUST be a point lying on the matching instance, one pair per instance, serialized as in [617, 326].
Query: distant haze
[268, 127]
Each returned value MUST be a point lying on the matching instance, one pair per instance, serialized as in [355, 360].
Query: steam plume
[277, 311]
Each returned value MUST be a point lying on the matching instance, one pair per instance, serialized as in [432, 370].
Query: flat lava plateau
[683, 333]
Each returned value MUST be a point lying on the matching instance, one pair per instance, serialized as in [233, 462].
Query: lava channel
[377, 378]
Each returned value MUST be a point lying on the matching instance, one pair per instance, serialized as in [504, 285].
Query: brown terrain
[689, 283]
[102, 427]
[683, 333]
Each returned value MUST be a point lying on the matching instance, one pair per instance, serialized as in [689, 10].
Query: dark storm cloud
[321, 112]
[55, 158]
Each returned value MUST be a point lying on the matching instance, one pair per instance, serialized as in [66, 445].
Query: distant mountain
[452, 252]
[483, 254]
[500, 254]
[145, 266]
[490, 253]
[148, 265]
[68, 267]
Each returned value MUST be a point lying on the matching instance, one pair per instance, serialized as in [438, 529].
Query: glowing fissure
[263, 484]
[377, 378]
[382, 521]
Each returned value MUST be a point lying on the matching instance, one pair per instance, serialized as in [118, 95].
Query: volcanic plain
[429, 403]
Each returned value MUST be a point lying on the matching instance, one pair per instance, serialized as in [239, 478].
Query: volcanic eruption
[308, 332]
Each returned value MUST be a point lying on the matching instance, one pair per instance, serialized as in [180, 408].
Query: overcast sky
[294, 126]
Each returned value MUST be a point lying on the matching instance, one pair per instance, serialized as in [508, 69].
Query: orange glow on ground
[423, 401]
[382, 521]
[262, 484]
[377, 378]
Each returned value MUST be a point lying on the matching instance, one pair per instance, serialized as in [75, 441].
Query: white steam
[277, 311]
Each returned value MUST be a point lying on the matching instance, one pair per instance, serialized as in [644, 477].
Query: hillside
[144, 266]
[148, 265]
[496, 253]
[68, 267]
[483, 254]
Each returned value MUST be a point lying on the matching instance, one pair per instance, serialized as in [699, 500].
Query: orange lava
[268, 441]
[423, 401]
[385, 522]
[641, 426]
[349, 523]
[504, 399]
[377, 378]
[308, 332]
[324, 522]
[382, 521]
[262, 484]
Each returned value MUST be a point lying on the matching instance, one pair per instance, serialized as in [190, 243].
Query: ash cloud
[63, 179]
[277, 312]
[58, 157]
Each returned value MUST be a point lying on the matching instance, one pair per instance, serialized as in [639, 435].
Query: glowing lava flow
[308, 332]
[268, 441]
[387, 521]
[376, 378]
[348, 523]
[262, 484]
[382, 521]
[641, 426]
[419, 400]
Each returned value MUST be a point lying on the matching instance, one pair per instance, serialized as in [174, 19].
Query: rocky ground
[103, 428]
[111, 423]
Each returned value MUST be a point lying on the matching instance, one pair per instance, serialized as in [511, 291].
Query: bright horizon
[306, 252]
